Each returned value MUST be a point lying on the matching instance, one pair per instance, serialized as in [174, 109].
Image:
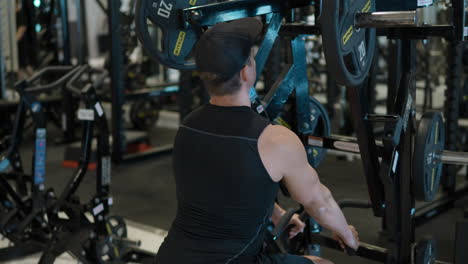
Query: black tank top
[225, 195]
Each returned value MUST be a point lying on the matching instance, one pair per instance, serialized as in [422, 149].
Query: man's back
[225, 195]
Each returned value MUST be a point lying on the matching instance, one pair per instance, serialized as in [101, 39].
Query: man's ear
[243, 74]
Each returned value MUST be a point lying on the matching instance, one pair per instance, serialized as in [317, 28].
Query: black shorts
[282, 259]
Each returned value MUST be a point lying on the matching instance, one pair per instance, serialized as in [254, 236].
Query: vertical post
[405, 200]
[394, 71]
[65, 32]
[451, 112]
[2, 64]
[369, 155]
[117, 80]
[82, 31]
[459, 19]
[67, 100]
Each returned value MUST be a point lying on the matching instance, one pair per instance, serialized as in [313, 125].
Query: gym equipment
[430, 140]
[388, 183]
[174, 47]
[424, 252]
[429, 155]
[451, 108]
[22, 208]
[322, 128]
[33, 222]
[144, 113]
[349, 49]
[348, 34]
[122, 148]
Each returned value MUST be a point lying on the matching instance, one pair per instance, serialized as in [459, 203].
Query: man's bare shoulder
[280, 137]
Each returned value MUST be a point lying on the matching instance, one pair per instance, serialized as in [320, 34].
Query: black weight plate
[176, 43]
[321, 127]
[427, 168]
[107, 252]
[144, 113]
[116, 226]
[424, 252]
[348, 50]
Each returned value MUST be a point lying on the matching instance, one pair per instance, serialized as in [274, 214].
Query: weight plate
[424, 252]
[348, 50]
[107, 252]
[175, 43]
[427, 168]
[116, 226]
[144, 113]
[320, 124]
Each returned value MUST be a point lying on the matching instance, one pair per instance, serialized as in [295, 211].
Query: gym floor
[144, 193]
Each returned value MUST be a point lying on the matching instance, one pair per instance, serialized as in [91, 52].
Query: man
[228, 161]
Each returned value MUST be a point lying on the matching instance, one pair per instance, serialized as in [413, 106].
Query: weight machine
[348, 33]
[41, 221]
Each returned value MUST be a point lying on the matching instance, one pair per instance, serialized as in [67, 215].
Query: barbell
[428, 156]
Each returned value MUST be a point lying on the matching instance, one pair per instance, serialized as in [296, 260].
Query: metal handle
[53, 85]
[71, 85]
[47, 70]
[283, 223]
[352, 203]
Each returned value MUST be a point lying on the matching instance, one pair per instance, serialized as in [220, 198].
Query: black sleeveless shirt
[225, 195]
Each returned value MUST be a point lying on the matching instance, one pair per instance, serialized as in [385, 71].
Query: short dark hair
[219, 86]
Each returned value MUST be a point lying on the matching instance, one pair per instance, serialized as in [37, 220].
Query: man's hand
[351, 239]
[298, 226]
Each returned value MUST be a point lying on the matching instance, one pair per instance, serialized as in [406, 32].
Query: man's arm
[278, 212]
[285, 158]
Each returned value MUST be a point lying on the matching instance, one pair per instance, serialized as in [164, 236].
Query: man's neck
[240, 98]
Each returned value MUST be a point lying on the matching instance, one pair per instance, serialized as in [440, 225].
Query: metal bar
[81, 31]
[394, 71]
[13, 64]
[459, 19]
[452, 108]
[366, 142]
[387, 19]
[210, 14]
[405, 235]
[340, 143]
[454, 158]
[366, 251]
[102, 7]
[268, 42]
[2, 64]
[117, 80]
[167, 90]
[65, 32]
